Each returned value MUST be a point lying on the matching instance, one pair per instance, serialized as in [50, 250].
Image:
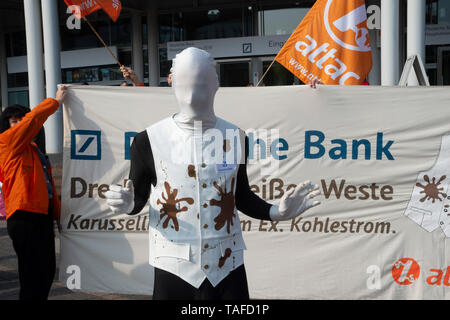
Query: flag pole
[266, 72]
[101, 40]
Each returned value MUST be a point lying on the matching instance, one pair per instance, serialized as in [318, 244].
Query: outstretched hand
[295, 201]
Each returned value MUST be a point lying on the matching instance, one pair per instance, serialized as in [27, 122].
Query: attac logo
[348, 29]
[330, 44]
[405, 271]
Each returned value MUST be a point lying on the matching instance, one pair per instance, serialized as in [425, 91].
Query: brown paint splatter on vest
[226, 205]
[191, 171]
[169, 206]
[225, 257]
[431, 190]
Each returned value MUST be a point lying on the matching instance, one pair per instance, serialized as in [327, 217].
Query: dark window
[8, 45]
[432, 76]
[206, 24]
[16, 80]
[113, 33]
[234, 74]
[18, 97]
[19, 43]
[81, 75]
[437, 12]
[277, 75]
[280, 21]
[164, 64]
[145, 54]
[125, 58]
[431, 54]
[92, 74]
[121, 32]
[110, 73]
[446, 67]
[431, 12]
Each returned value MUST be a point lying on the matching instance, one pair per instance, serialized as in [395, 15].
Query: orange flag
[330, 44]
[82, 8]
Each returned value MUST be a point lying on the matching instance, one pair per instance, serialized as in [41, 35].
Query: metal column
[152, 45]
[415, 39]
[4, 72]
[389, 42]
[138, 57]
[54, 125]
[34, 51]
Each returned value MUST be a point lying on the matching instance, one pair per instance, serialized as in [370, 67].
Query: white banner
[379, 154]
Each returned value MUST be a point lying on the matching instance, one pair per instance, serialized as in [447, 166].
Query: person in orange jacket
[30, 197]
[2, 205]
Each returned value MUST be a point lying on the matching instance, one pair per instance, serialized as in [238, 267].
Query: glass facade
[189, 25]
[277, 75]
[17, 45]
[438, 12]
[164, 64]
[114, 34]
[16, 80]
[18, 97]
[280, 21]
[92, 74]
[206, 24]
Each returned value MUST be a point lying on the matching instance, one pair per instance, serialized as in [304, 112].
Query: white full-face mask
[195, 83]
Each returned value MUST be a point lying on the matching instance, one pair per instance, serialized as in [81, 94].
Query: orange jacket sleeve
[15, 138]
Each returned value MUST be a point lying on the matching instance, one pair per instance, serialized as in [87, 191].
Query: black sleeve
[246, 201]
[142, 170]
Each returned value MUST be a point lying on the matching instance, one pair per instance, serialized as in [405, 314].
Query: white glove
[121, 200]
[295, 201]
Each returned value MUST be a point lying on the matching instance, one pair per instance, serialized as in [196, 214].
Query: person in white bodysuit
[195, 239]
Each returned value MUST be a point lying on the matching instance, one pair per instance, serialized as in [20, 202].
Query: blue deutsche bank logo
[128, 137]
[85, 145]
[247, 47]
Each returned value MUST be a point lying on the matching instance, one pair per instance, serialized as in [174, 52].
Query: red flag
[111, 7]
[82, 8]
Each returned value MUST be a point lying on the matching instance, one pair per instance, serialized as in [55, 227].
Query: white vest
[195, 232]
[429, 206]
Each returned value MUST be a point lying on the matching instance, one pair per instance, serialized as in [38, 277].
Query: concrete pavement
[9, 277]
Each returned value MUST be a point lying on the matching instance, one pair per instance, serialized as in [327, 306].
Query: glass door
[234, 73]
[277, 75]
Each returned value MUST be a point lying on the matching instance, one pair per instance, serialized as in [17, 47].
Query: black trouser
[171, 287]
[33, 240]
